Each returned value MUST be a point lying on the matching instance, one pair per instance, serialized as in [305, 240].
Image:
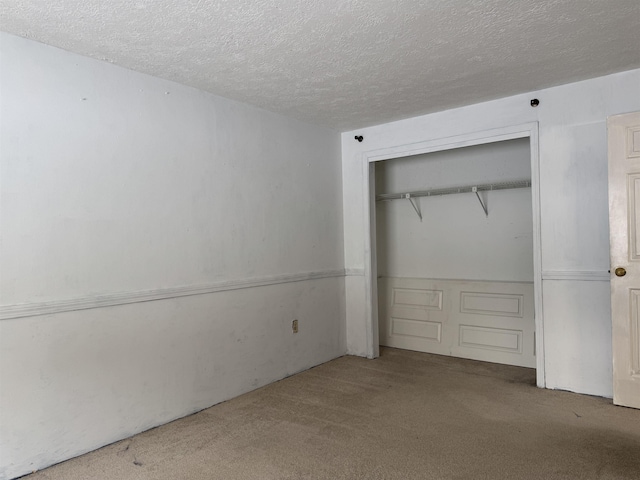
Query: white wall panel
[508, 305]
[418, 298]
[491, 338]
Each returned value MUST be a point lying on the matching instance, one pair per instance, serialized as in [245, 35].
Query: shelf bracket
[482, 204]
[414, 205]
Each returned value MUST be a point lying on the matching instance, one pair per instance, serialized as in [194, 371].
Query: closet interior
[454, 246]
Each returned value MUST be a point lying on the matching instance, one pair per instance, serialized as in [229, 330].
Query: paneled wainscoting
[481, 320]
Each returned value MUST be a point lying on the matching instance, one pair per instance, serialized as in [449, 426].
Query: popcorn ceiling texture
[345, 63]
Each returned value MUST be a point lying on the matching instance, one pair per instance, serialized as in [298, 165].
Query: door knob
[620, 272]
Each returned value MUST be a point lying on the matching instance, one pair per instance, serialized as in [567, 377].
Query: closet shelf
[486, 187]
[448, 191]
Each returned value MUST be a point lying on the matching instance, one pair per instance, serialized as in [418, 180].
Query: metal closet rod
[448, 191]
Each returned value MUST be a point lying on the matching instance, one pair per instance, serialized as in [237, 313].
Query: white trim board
[354, 272]
[22, 310]
[527, 130]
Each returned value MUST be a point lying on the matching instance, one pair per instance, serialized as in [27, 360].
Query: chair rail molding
[33, 309]
[577, 275]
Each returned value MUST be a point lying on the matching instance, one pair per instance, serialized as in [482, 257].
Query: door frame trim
[527, 130]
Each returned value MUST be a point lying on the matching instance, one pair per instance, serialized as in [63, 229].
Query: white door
[482, 320]
[624, 225]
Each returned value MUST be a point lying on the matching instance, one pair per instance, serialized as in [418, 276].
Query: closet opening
[455, 248]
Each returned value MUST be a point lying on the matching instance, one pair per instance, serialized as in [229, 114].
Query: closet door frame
[527, 130]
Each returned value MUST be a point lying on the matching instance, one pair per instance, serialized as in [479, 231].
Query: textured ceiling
[345, 63]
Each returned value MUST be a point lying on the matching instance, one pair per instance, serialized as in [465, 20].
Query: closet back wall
[455, 240]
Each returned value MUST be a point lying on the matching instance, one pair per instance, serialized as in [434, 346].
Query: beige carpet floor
[405, 415]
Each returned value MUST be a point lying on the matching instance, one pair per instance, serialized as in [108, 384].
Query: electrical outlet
[294, 326]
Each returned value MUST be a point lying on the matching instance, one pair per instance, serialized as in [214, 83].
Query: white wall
[574, 214]
[116, 188]
[455, 239]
